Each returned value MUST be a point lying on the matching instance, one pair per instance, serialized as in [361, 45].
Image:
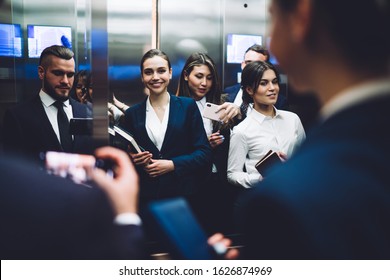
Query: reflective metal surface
[133, 27]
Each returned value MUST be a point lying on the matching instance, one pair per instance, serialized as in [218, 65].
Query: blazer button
[160, 156]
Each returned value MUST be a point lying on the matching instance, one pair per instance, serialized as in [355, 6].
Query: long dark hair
[197, 59]
[251, 77]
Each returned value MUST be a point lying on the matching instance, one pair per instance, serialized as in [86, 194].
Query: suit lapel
[174, 109]
[140, 115]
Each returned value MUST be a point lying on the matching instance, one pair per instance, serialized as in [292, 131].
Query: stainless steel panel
[190, 26]
[242, 17]
[129, 37]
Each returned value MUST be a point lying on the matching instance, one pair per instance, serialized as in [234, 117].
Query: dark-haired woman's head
[83, 86]
[260, 84]
[199, 78]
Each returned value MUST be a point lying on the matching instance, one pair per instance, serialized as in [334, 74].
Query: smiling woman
[266, 128]
[177, 154]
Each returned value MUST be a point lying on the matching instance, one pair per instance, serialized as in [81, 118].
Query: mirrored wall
[132, 27]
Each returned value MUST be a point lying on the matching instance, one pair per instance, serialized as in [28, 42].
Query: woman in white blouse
[266, 128]
[170, 129]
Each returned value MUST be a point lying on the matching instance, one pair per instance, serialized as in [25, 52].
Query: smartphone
[210, 112]
[74, 166]
[81, 126]
[179, 230]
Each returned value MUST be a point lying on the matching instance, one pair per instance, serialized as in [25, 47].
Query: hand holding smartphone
[212, 112]
[75, 166]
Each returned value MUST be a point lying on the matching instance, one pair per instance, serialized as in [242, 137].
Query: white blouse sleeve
[237, 157]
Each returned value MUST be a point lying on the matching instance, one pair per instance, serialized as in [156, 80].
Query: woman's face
[268, 90]
[200, 81]
[156, 75]
[80, 87]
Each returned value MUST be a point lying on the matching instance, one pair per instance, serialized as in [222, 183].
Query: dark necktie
[63, 126]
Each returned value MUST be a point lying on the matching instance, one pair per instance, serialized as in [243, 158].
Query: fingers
[282, 156]
[122, 189]
[142, 158]
[231, 111]
[120, 158]
[216, 139]
[219, 238]
[159, 167]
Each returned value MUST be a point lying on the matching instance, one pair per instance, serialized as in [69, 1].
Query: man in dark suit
[47, 217]
[332, 199]
[32, 127]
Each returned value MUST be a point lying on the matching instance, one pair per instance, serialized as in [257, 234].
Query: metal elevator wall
[181, 27]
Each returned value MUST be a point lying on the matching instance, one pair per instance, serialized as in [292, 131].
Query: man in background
[41, 123]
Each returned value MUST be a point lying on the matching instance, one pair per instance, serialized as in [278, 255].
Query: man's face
[251, 56]
[57, 78]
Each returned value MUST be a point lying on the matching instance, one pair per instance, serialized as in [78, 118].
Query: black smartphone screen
[81, 126]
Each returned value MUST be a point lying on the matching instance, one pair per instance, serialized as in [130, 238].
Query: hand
[122, 190]
[141, 159]
[114, 113]
[231, 111]
[231, 254]
[159, 167]
[83, 98]
[121, 106]
[216, 139]
[282, 156]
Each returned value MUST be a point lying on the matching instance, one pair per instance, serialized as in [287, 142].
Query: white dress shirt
[155, 128]
[207, 123]
[51, 111]
[254, 137]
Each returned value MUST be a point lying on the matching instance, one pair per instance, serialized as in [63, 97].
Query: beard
[50, 90]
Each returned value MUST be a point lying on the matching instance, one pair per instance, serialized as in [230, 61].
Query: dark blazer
[232, 92]
[28, 131]
[332, 199]
[185, 143]
[48, 217]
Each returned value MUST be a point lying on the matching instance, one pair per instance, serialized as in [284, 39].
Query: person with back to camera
[255, 52]
[331, 199]
[33, 126]
[266, 128]
[47, 217]
[177, 153]
[199, 80]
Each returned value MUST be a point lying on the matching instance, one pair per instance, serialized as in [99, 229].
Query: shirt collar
[260, 117]
[355, 95]
[47, 100]
[149, 105]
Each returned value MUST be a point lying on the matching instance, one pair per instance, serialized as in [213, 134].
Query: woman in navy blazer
[177, 153]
